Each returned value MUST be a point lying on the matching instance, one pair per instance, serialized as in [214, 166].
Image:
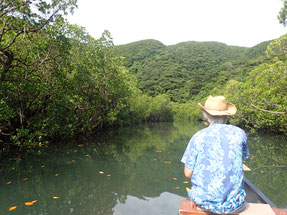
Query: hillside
[182, 70]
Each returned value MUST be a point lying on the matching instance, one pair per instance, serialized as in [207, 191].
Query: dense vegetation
[262, 98]
[57, 82]
[253, 78]
[182, 70]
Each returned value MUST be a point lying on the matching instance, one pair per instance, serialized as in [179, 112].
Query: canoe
[254, 195]
[257, 203]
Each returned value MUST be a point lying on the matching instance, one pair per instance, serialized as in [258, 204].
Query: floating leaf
[80, 145]
[73, 161]
[108, 175]
[185, 182]
[24, 179]
[262, 171]
[174, 178]
[43, 166]
[56, 174]
[176, 188]
[9, 182]
[56, 197]
[30, 203]
[12, 208]
[167, 161]
[101, 172]
[75, 150]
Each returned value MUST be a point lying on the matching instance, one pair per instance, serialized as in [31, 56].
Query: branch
[7, 64]
[268, 111]
[37, 63]
[23, 30]
[7, 11]
[6, 134]
[279, 166]
[3, 30]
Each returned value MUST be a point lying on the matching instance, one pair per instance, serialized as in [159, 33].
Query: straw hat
[217, 106]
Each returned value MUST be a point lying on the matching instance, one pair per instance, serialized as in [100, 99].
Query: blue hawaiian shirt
[215, 154]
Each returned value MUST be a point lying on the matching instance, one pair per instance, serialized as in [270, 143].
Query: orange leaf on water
[73, 161]
[24, 179]
[43, 166]
[108, 175]
[56, 174]
[9, 182]
[174, 178]
[167, 161]
[12, 208]
[185, 182]
[30, 203]
[176, 188]
[56, 197]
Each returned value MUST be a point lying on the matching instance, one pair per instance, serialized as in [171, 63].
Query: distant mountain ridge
[183, 70]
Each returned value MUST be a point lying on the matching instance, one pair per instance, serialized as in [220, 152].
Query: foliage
[182, 71]
[56, 80]
[283, 14]
[143, 108]
[261, 100]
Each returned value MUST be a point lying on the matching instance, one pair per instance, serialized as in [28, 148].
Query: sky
[233, 22]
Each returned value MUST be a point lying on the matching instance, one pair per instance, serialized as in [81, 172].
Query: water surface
[132, 170]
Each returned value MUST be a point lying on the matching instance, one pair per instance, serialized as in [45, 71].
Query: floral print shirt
[215, 154]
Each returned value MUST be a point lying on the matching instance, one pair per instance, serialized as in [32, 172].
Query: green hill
[183, 70]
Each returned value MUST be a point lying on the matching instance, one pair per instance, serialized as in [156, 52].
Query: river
[131, 170]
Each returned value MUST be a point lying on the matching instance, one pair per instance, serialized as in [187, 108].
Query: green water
[134, 170]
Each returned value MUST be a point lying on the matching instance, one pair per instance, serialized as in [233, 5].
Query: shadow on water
[125, 171]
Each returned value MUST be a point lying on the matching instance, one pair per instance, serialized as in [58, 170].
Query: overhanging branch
[268, 111]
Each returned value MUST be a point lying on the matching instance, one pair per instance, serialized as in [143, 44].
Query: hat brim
[231, 110]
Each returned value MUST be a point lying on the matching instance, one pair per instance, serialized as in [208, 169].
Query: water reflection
[124, 170]
[268, 163]
[166, 203]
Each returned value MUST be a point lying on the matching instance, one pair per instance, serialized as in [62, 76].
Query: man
[213, 160]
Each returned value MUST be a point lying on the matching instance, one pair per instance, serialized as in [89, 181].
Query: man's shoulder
[232, 127]
[202, 131]
[218, 128]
